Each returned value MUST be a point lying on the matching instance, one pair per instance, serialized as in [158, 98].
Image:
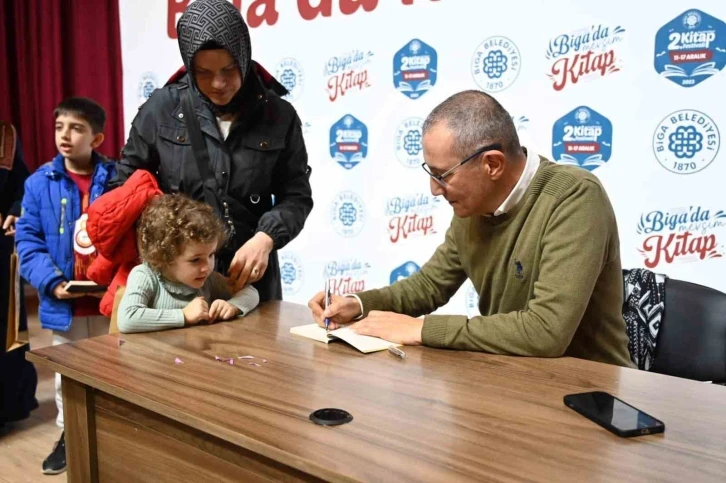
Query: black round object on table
[330, 417]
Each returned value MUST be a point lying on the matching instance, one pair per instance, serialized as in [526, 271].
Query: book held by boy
[83, 286]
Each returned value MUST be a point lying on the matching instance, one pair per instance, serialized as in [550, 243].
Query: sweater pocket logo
[518, 270]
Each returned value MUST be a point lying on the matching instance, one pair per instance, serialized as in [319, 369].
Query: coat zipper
[64, 202]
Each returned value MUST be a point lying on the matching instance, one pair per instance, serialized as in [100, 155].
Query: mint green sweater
[151, 302]
[548, 275]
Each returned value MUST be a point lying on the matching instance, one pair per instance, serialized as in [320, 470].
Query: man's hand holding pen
[386, 325]
[340, 310]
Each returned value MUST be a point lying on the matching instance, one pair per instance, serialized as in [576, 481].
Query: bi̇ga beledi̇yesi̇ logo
[686, 141]
[291, 273]
[347, 214]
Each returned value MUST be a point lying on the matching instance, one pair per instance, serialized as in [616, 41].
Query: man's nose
[436, 188]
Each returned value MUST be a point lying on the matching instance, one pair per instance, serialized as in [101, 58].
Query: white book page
[311, 331]
[363, 343]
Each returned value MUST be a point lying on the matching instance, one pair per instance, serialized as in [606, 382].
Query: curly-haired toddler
[176, 284]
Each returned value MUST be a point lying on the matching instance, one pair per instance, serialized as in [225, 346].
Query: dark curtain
[53, 49]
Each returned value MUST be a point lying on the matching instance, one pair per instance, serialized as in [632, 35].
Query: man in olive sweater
[538, 240]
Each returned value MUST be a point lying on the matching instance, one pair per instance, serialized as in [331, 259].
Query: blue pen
[327, 302]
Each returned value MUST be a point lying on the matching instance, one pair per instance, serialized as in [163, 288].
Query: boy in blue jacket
[51, 237]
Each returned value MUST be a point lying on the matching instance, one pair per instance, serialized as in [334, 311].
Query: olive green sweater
[548, 275]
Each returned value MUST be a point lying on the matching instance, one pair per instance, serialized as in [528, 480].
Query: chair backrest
[692, 336]
[113, 326]
[8, 143]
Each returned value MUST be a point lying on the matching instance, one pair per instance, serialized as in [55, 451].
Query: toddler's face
[193, 265]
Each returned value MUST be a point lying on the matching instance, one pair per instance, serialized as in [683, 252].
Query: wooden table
[132, 414]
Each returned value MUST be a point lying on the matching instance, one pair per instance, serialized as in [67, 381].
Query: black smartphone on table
[613, 414]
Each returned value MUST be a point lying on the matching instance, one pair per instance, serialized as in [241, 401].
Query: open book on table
[363, 343]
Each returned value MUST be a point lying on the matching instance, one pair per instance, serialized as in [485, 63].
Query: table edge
[238, 439]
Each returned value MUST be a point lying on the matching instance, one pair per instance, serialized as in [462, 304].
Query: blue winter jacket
[44, 233]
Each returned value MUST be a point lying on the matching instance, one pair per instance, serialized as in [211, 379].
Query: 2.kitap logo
[415, 69]
[583, 137]
[584, 54]
[348, 141]
[403, 272]
[691, 48]
[681, 235]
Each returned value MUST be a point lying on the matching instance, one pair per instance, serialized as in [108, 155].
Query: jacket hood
[115, 213]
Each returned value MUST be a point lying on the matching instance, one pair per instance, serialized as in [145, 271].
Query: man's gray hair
[477, 120]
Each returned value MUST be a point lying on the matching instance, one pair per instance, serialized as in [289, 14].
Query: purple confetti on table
[254, 364]
[264, 360]
[121, 342]
[178, 361]
[231, 362]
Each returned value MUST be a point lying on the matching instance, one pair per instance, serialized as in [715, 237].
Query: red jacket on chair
[111, 227]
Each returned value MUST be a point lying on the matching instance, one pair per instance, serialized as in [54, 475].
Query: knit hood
[215, 22]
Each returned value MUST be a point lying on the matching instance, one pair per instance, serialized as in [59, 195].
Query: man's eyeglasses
[439, 178]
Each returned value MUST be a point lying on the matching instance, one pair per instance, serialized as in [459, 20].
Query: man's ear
[97, 140]
[496, 162]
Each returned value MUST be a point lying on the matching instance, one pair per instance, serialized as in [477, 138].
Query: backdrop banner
[632, 92]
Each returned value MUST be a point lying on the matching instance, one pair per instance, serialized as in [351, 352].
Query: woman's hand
[250, 261]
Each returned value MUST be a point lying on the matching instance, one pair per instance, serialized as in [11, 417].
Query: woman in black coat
[256, 172]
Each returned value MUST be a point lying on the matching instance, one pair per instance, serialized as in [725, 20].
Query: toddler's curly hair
[169, 222]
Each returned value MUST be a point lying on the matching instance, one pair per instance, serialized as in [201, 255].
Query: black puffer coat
[261, 168]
